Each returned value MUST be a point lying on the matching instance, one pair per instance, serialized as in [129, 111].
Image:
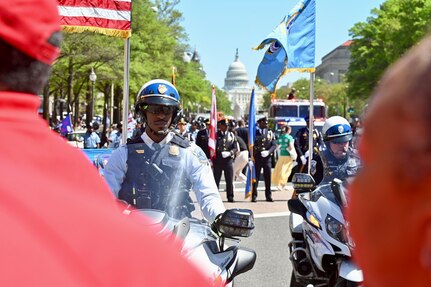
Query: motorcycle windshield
[156, 177]
[325, 191]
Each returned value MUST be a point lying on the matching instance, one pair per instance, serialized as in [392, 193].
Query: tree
[382, 39]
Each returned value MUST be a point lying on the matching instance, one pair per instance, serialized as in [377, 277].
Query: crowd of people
[286, 153]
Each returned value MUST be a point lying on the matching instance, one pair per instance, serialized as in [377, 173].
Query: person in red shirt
[61, 226]
[390, 199]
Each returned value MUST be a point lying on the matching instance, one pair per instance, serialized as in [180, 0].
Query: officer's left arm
[204, 186]
[115, 170]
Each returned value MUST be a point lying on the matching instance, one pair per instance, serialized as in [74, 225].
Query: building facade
[335, 64]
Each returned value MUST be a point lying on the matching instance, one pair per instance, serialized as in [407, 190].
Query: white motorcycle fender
[295, 222]
[349, 271]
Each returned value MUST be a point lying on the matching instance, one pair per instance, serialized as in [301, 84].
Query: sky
[216, 28]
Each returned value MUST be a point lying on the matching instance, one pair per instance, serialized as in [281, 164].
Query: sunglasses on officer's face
[156, 109]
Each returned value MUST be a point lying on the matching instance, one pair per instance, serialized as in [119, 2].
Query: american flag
[213, 125]
[109, 17]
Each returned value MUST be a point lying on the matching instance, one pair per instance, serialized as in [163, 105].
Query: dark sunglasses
[155, 109]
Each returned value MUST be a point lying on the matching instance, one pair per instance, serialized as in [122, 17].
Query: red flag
[213, 125]
[112, 17]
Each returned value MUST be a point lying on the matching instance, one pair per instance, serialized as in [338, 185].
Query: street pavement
[261, 207]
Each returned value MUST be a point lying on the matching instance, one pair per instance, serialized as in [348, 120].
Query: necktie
[157, 146]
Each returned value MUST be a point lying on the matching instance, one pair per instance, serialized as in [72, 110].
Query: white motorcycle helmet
[337, 129]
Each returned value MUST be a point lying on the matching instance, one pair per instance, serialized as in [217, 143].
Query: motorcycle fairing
[320, 248]
[322, 208]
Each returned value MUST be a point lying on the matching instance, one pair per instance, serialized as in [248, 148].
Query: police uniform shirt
[339, 168]
[226, 141]
[264, 140]
[196, 163]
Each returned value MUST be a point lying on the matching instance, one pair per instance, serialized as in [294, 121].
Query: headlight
[335, 229]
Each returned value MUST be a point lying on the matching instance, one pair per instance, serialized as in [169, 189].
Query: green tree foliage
[382, 39]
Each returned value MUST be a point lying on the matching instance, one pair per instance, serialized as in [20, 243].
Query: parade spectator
[194, 129]
[202, 138]
[242, 131]
[302, 149]
[90, 138]
[264, 146]
[139, 130]
[226, 148]
[291, 95]
[182, 129]
[284, 164]
[240, 161]
[115, 137]
[159, 167]
[389, 209]
[60, 224]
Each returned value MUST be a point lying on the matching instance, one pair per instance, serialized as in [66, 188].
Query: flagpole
[311, 123]
[126, 88]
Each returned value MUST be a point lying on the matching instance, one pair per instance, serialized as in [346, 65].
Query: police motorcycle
[167, 201]
[214, 249]
[321, 247]
[156, 176]
[164, 197]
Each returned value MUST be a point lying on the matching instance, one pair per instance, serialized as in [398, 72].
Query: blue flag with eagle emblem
[292, 46]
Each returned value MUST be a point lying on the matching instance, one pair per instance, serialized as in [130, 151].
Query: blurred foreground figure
[60, 225]
[390, 208]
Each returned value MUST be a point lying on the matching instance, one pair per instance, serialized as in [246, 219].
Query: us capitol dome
[236, 86]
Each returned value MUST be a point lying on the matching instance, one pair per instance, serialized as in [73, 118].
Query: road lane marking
[272, 214]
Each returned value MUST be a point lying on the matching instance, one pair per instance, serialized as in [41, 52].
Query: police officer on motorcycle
[157, 169]
[339, 159]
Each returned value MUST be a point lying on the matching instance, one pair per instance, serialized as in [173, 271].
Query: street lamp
[93, 78]
[332, 80]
